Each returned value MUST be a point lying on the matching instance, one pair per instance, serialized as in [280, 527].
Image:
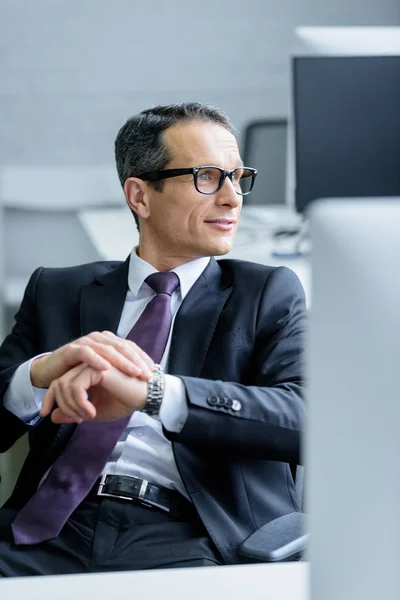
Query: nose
[228, 196]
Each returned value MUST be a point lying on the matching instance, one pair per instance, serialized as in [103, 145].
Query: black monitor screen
[347, 127]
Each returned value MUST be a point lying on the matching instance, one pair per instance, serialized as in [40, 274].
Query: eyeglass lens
[209, 178]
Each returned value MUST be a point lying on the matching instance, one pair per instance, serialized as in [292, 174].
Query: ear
[136, 195]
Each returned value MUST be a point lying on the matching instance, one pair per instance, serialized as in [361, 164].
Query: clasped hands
[99, 377]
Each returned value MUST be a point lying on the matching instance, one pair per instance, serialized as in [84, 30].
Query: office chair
[264, 147]
[282, 540]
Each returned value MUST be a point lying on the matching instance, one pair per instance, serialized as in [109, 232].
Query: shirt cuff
[22, 398]
[174, 409]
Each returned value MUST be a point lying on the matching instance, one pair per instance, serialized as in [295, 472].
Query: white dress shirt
[142, 450]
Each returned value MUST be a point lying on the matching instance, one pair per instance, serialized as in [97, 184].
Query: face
[180, 222]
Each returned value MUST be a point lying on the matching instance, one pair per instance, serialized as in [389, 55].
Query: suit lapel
[102, 301]
[101, 304]
[196, 321]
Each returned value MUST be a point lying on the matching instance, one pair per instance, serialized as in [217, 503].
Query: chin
[220, 249]
[212, 247]
[221, 252]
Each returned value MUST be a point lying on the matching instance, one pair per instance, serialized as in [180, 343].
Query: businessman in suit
[162, 395]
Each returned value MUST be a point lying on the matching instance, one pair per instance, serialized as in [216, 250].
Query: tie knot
[163, 282]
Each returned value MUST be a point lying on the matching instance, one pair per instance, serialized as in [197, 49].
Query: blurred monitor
[347, 127]
[353, 442]
[344, 118]
[265, 144]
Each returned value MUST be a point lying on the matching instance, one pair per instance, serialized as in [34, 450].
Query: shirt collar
[188, 273]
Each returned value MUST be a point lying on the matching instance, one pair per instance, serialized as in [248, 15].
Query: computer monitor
[352, 445]
[347, 127]
[329, 42]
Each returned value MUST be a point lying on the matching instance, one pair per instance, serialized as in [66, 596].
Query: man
[130, 468]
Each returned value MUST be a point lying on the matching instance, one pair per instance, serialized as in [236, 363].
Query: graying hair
[140, 146]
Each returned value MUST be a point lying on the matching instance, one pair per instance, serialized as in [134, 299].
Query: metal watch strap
[155, 391]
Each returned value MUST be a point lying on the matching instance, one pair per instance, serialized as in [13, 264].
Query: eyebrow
[239, 165]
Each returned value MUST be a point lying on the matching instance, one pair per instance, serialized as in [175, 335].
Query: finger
[81, 352]
[58, 417]
[63, 387]
[147, 359]
[72, 392]
[47, 403]
[82, 405]
[52, 395]
[102, 344]
[63, 399]
[144, 356]
[121, 355]
[125, 346]
[131, 347]
[74, 402]
[58, 394]
[61, 392]
[109, 334]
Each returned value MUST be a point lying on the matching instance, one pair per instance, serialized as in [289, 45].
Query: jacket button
[228, 402]
[216, 400]
[236, 405]
[213, 400]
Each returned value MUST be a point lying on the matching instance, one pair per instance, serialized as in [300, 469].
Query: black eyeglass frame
[167, 173]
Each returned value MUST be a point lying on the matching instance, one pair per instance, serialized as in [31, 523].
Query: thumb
[47, 402]
[58, 417]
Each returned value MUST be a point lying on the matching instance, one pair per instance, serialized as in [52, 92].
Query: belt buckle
[142, 490]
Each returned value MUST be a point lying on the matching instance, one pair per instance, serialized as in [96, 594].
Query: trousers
[106, 534]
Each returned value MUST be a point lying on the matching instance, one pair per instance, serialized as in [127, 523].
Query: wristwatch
[155, 391]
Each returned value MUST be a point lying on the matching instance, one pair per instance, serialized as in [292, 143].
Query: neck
[162, 260]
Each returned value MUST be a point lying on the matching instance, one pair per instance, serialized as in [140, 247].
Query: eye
[208, 175]
[237, 174]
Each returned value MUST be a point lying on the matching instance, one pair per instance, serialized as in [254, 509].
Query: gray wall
[73, 70]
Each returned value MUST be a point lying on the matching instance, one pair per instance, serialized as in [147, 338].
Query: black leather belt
[142, 491]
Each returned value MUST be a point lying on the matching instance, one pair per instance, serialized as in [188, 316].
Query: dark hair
[140, 147]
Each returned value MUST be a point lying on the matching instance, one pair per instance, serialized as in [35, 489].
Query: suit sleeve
[18, 347]
[263, 419]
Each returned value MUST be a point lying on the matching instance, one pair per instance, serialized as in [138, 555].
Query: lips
[221, 221]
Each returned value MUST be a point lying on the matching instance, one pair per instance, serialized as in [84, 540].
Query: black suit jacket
[238, 336]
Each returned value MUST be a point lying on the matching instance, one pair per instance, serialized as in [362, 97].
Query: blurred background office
[72, 72]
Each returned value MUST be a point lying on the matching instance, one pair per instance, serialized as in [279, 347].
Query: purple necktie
[75, 471]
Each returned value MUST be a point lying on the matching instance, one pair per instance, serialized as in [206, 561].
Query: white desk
[245, 582]
[113, 233]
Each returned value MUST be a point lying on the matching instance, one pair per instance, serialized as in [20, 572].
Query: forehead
[202, 143]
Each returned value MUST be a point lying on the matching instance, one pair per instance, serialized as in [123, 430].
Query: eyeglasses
[209, 179]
